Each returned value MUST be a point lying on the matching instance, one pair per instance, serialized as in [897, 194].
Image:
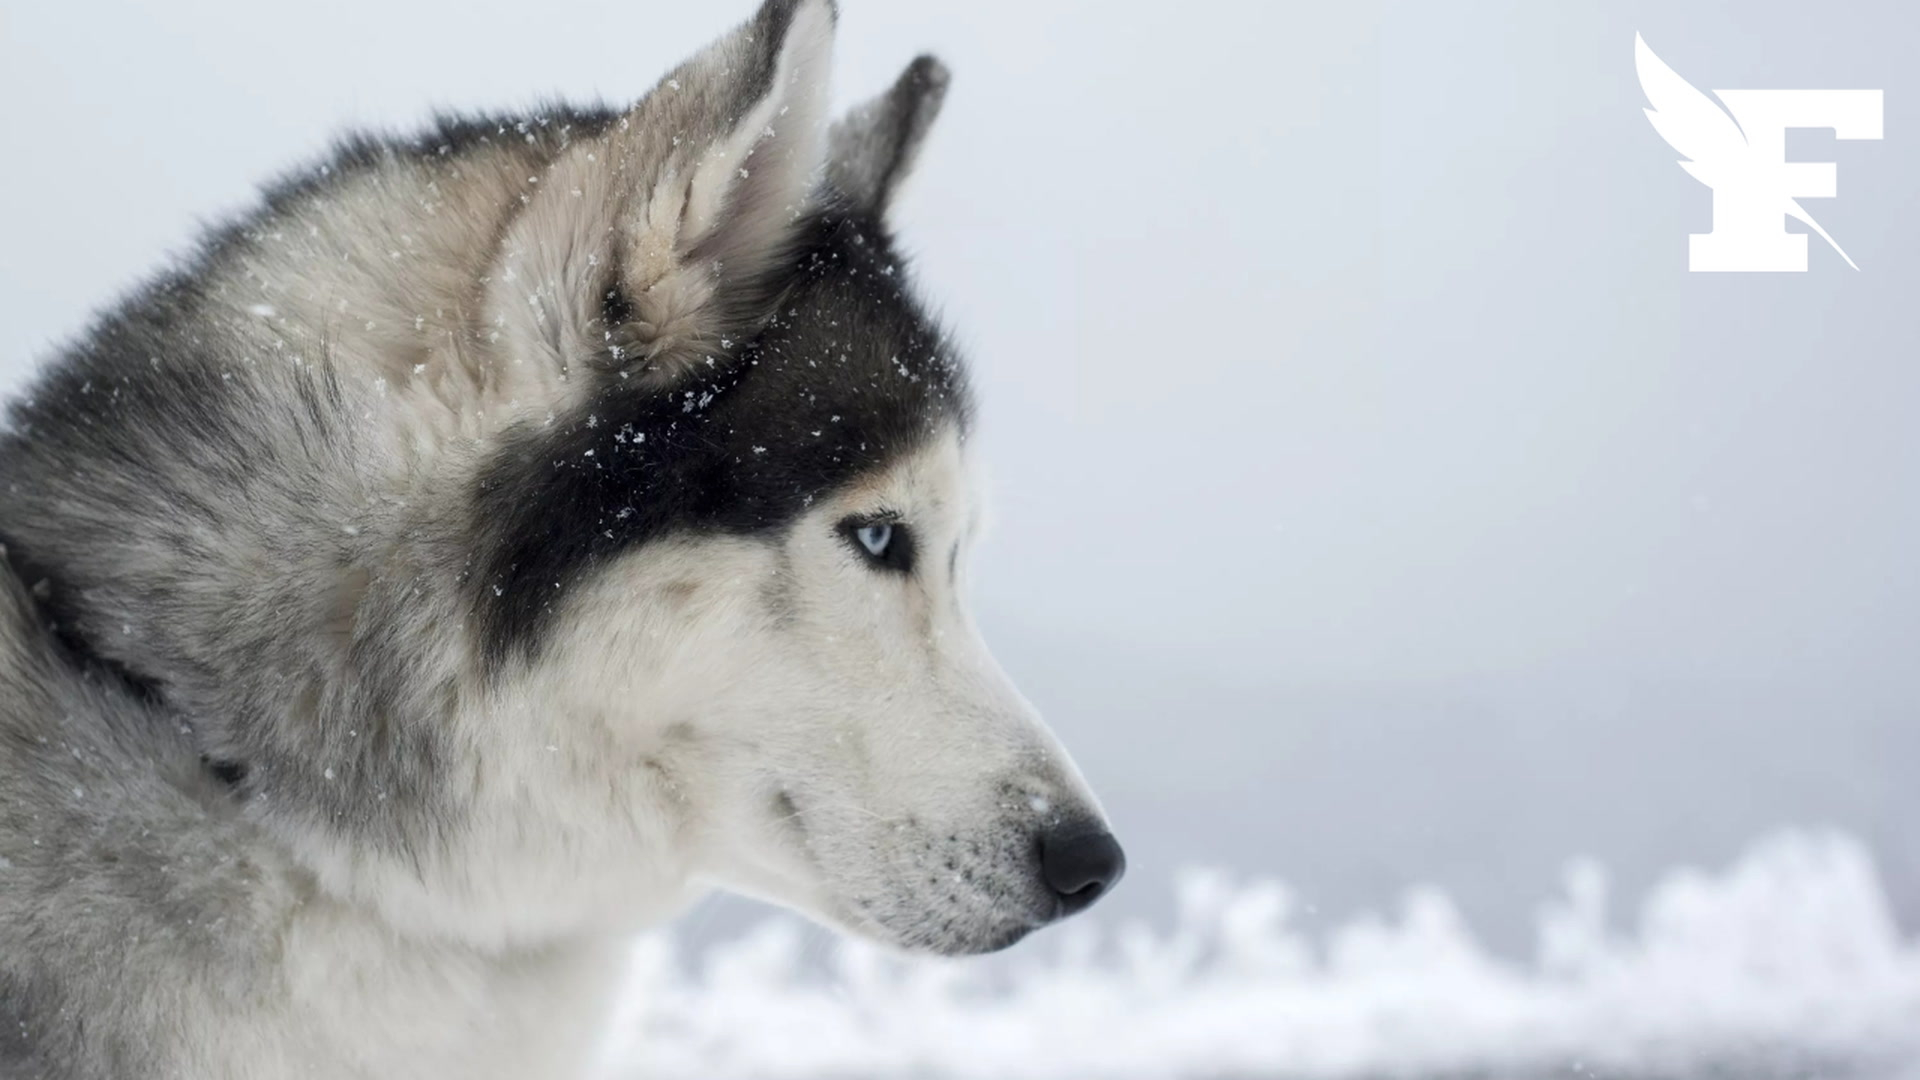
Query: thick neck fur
[221, 951]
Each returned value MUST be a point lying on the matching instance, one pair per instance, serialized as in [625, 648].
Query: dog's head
[729, 573]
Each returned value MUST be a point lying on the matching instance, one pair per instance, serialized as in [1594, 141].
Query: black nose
[1080, 864]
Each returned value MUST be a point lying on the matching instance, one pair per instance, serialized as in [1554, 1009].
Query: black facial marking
[844, 376]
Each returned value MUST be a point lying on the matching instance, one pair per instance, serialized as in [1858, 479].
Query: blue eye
[875, 538]
[886, 544]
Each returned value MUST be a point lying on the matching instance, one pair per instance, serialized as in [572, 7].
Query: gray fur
[352, 695]
[874, 146]
[121, 858]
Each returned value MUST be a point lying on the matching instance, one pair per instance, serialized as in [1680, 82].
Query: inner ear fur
[640, 247]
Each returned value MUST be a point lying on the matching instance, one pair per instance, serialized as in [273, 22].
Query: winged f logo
[1741, 153]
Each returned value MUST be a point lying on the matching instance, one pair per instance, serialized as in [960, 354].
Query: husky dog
[495, 540]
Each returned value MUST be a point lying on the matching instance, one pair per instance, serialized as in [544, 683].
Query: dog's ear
[871, 149]
[734, 137]
[642, 249]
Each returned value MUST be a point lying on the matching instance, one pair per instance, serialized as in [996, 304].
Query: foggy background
[1378, 500]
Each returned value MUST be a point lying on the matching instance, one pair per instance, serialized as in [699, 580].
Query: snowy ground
[1785, 965]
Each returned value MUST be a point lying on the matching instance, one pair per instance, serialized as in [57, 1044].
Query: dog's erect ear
[871, 149]
[740, 130]
[643, 249]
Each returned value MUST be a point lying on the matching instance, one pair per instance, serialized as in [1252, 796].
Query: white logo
[1743, 158]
